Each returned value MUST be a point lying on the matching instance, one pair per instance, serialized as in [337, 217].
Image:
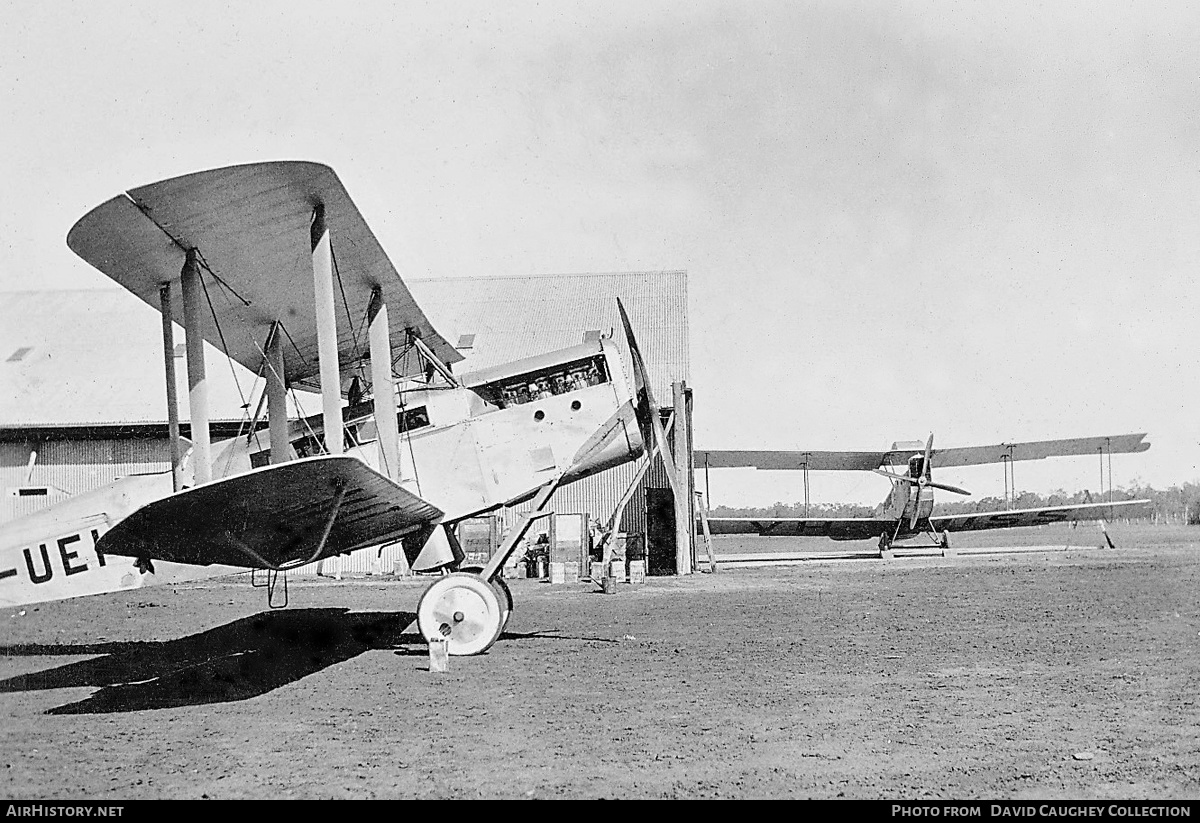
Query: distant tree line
[1177, 504]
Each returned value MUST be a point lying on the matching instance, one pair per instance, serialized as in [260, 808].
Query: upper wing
[1035, 517]
[1036, 450]
[966, 456]
[812, 460]
[251, 226]
[277, 516]
[838, 528]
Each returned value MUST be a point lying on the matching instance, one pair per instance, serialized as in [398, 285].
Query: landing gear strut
[470, 607]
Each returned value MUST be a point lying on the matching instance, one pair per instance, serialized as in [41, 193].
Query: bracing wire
[304, 421]
[354, 332]
[236, 382]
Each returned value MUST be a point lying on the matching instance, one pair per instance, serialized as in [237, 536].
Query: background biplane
[273, 264]
[908, 510]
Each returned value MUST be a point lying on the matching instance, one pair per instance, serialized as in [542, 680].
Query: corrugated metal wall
[74, 466]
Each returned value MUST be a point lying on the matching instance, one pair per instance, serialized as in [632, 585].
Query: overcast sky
[974, 219]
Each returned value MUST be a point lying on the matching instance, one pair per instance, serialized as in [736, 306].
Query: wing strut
[193, 291]
[383, 391]
[433, 360]
[168, 332]
[327, 344]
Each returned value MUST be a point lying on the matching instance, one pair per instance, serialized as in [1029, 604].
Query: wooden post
[685, 526]
[712, 563]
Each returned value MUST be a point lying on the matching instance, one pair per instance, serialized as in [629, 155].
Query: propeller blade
[928, 466]
[903, 478]
[947, 488]
[654, 428]
[916, 508]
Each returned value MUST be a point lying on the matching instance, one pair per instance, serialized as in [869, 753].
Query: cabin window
[539, 385]
[414, 418]
[308, 446]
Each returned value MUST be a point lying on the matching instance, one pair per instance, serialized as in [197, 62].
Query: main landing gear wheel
[502, 591]
[465, 610]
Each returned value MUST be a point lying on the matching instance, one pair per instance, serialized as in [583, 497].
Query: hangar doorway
[660, 531]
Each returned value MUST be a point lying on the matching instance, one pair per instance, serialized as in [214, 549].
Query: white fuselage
[466, 450]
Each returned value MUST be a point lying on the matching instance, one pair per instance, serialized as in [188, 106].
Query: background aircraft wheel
[945, 540]
[464, 609]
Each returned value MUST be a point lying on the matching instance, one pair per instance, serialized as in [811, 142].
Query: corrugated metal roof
[515, 317]
[95, 355]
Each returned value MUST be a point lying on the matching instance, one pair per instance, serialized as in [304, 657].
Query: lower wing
[837, 528]
[275, 517]
[1037, 517]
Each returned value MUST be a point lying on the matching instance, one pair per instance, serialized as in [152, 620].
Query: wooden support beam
[712, 562]
[685, 524]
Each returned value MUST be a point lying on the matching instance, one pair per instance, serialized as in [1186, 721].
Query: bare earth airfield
[1063, 674]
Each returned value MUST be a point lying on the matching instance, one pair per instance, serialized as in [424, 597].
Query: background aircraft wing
[1036, 517]
[274, 516]
[966, 456]
[838, 528]
[813, 460]
[251, 226]
[976, 455]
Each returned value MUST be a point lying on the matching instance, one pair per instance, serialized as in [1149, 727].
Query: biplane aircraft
[274, 264]
[908, 510]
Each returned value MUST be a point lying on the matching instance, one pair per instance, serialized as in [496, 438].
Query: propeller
[904, 478]
[924, 481]
[649, 419]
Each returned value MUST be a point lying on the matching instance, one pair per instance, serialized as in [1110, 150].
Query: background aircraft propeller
[925, 480]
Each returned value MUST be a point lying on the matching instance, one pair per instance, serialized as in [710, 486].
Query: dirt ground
[1061, 675]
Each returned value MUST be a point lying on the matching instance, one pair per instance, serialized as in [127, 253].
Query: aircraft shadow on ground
[237, 661]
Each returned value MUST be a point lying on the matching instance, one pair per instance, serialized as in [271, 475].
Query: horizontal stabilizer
[274, 517]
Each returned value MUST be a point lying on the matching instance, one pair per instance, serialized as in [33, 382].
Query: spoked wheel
[465, 610]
